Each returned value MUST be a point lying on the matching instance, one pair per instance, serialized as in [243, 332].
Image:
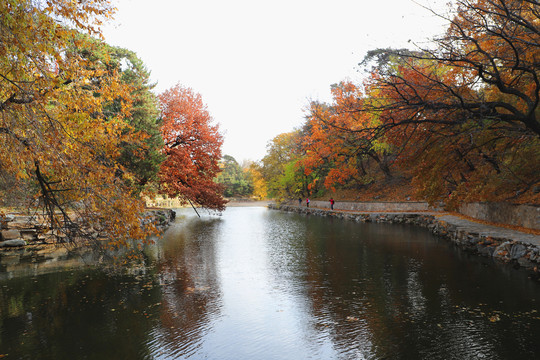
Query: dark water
[260, 284]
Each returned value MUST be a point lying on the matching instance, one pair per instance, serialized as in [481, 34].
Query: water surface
[261, 284]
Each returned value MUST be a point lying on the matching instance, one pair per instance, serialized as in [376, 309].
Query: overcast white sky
[256, 63]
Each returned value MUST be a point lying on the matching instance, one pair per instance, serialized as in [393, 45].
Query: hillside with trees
[456, 121]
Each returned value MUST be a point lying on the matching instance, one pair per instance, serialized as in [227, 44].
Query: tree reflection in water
[380, 291]
[65, 314]
[189, 286]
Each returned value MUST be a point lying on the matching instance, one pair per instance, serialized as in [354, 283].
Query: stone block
[29, 234]
[10, 234]
[13, 243]
[502, 250]
[517, 251]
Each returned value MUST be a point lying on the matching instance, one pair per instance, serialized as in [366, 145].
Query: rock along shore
[29, 248]
[21, 230]
[506, 245]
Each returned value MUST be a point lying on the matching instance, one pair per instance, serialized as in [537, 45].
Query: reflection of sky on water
[258, 320]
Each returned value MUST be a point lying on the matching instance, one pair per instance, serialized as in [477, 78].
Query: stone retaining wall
[527, 216]
[500, 248]
[373, 206]
[21, 230]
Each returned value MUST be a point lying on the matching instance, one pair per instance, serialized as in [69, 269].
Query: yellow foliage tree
[53, 130]
[260, 190]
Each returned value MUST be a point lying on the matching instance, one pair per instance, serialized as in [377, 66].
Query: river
[261, 284]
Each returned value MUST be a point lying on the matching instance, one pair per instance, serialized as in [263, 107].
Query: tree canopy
[458, 118]
[236, 181]
[192, 149]
[80, 127]
[55, 132]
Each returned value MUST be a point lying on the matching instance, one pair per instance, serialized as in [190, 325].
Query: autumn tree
[260, 189]
[192, 149]
[459, 116]
[465, 111]
[54, 132]
[337, 137]
[484, 68]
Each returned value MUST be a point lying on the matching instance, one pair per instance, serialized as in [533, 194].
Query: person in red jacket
[332, 203]
[307, 202]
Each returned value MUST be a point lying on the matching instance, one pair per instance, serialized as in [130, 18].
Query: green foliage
[291, 179]
[281, 150]
[236, 181]
[283, 169]
[142, 158]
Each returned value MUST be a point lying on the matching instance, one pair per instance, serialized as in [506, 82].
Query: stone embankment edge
[20, 231]
[161, 218]
[502, 248]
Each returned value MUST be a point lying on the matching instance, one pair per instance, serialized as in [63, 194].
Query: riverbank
[19, 230]
[517, 248]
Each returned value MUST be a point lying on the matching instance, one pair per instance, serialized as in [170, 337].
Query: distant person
[300, 201]
[307, 202]
[332, 203]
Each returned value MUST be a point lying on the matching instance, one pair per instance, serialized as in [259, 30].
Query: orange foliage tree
[465, 113]
[192, 149]
[341, 137]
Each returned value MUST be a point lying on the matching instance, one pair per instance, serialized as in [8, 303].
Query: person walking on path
[332, 203]
[307, 202]
[299, 201]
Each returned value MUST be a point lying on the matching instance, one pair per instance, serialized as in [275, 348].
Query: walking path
[462, 224]
[490, 230]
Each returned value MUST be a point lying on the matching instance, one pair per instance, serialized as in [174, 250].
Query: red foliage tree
[193, 149]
